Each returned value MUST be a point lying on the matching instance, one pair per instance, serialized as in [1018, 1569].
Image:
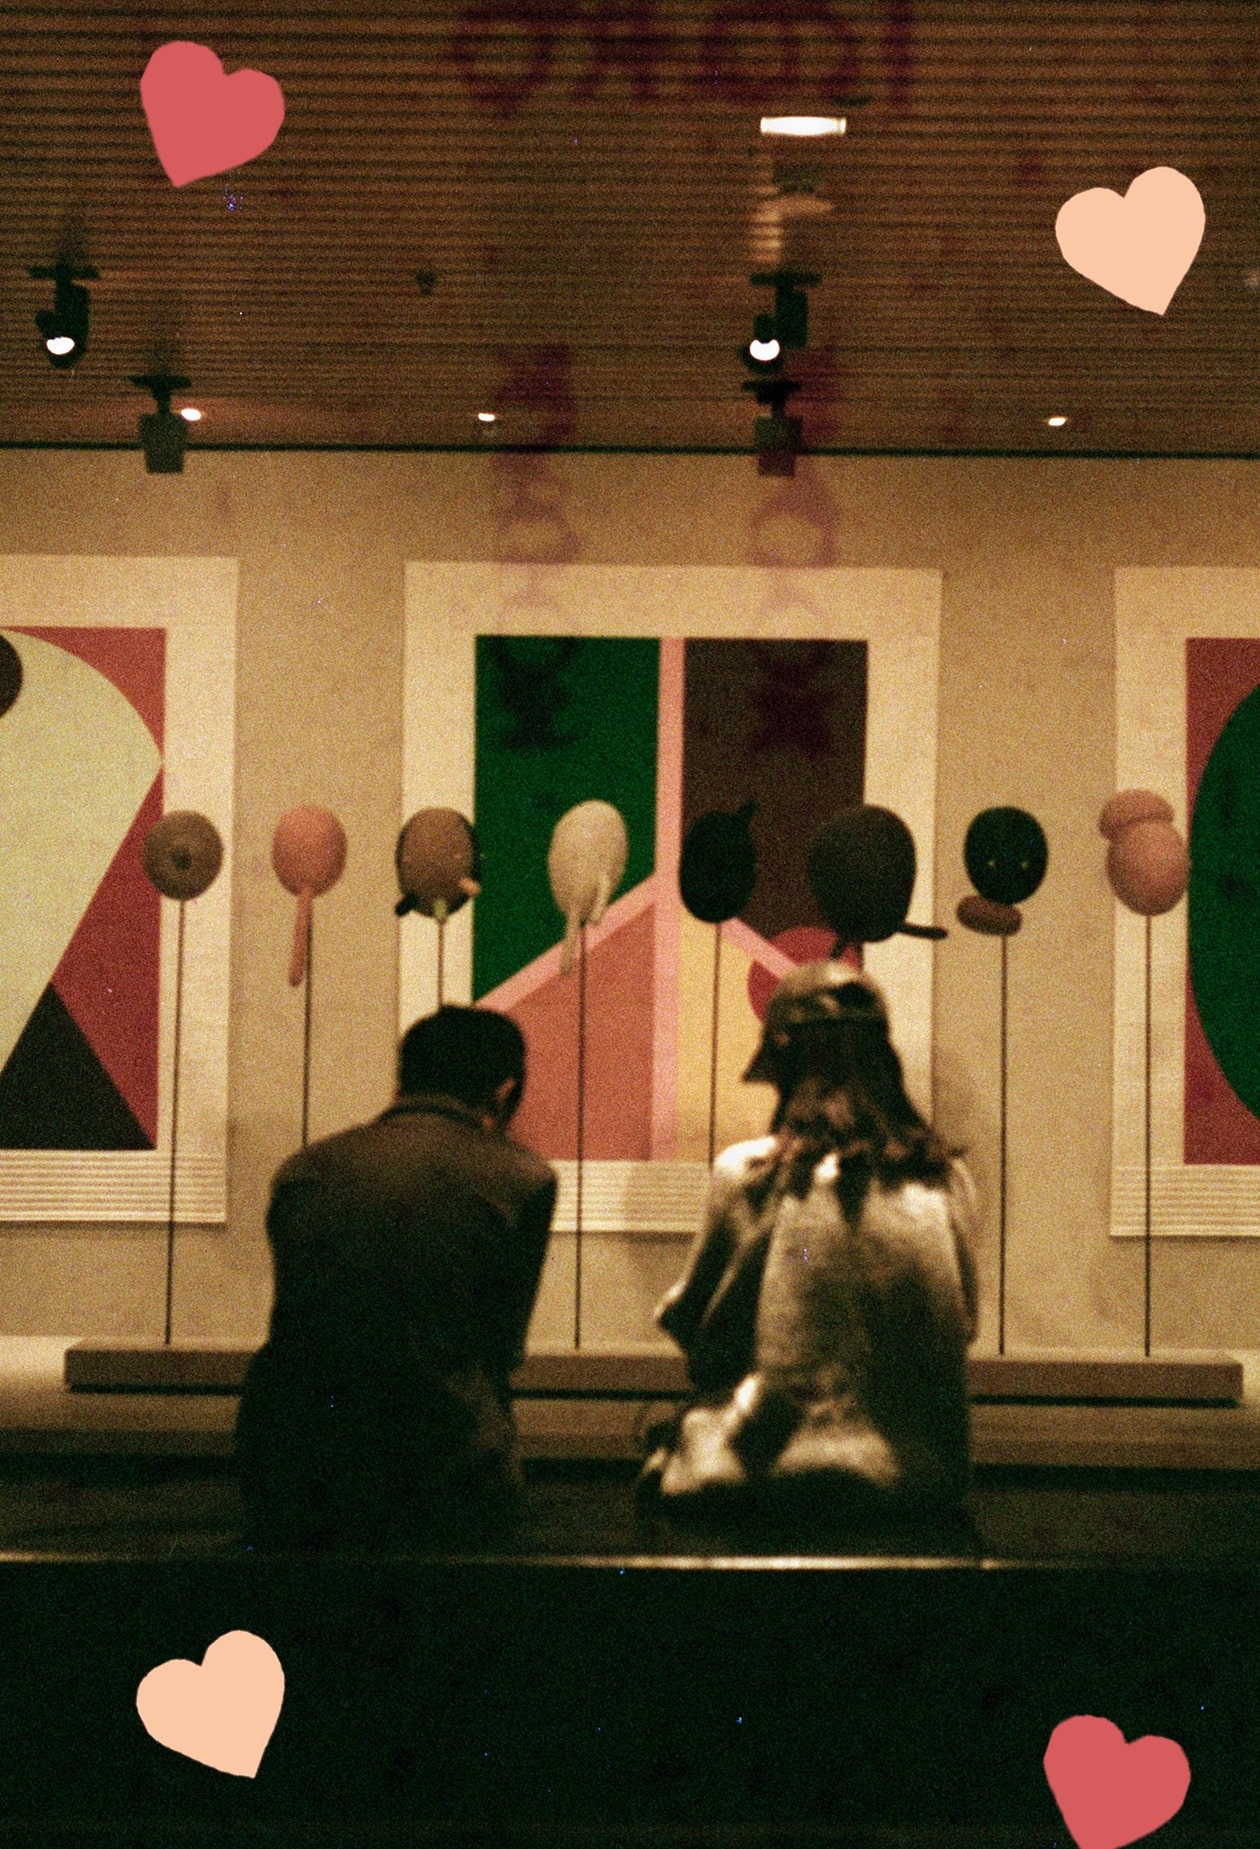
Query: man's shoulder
[401, 1137]
[326, 1157]
[531, 1170]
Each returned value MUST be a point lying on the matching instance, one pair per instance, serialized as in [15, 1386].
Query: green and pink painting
[81, 743]
[1222, 1063]
[666, 730]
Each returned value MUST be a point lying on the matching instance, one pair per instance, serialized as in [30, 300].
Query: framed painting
[118, 706]
[669, 693]
[1187, 656]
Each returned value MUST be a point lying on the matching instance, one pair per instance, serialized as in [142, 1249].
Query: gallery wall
[1027, 549]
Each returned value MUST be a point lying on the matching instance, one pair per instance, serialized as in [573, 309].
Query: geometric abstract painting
[80, 757]
[117, 705]
[668, 691]
[698, 725]
[1187, 656]
[1221, 672]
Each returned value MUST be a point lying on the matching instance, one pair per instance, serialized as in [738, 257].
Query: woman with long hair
[831, 1295]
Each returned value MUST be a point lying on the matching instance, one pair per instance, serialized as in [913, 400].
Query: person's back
[407, 1256]
[831, 1295]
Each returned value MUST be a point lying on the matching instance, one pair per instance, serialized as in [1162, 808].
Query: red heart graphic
[1110, 1792]
[201, 120]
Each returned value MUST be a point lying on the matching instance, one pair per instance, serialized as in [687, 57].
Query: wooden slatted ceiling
[589, 186]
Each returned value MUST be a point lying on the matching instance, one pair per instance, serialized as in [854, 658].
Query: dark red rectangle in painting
[1219, 1128]
[781, 724]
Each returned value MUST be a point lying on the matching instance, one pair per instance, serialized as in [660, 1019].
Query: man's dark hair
[464, 1053]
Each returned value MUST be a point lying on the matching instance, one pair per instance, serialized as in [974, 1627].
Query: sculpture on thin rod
[439, 867]
[1148, 867]
[308, 852]
[1005, 855]
[585, 865]
[182, 856]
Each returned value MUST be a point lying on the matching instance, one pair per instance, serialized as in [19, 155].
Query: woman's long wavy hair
[841, 1092]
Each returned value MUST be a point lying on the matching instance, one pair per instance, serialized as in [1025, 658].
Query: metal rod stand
[1002, 1171]
[170, 1217]
[581, 1135]
[306, 1032]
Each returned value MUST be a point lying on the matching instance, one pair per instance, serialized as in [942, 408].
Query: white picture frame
[195, 601]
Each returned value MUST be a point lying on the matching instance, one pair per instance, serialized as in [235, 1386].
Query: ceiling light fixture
[1056, 423]
[764, 352]
[789, 324]
[64, 326]
[191, 415]
[162, 433]
[487, 417]
[803, 125]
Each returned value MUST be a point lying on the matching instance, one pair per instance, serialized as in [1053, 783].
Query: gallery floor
[607, 1681]
[163, 1509]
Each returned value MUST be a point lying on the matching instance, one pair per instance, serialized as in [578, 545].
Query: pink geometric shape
[802, 944]
[668, 926]
[619, 1042]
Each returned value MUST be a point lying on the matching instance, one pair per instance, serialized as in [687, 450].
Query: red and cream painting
[124, 710]
[81, 762]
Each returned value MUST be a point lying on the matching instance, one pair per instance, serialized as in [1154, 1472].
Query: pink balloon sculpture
[1147, 862]
[308, 852]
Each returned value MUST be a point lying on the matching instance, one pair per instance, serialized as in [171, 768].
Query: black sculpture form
[1006, 856]
[716, 876]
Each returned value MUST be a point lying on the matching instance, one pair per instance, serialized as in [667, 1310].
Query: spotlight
[764, 352]
[64, 326]
[162, 432]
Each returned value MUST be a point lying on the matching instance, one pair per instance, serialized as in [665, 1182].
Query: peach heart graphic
[201, 120]
[221, 1711]
[1110, 1792]
[1138, 247]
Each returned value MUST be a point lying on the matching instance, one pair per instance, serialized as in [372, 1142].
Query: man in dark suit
[407, 1258]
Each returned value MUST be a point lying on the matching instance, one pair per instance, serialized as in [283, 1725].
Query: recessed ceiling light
[1056, 423]
[763, 350]
[190, 414]
[487, 417]
[803, 125]
[61, 343]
